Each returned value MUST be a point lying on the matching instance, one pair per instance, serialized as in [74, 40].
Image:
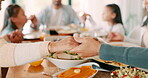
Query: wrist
[98, 51]
[123, 38]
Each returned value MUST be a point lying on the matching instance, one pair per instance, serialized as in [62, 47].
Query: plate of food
[32, 36]
[65, 59]
[81, 71]
[113, 63]
[108, 65]
[66, 32]
[128, 72]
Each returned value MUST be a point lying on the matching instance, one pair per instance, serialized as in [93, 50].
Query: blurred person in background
[57, 14]
[14, 19]
[137, 36]
[112, 15]
[14, 37]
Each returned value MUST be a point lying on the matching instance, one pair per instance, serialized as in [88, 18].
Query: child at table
[137, 36]
[112, 15]
[15, 18]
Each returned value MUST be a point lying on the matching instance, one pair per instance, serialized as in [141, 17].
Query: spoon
[99, 68]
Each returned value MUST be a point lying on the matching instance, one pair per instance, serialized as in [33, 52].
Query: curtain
[132, 13]
[4, 5]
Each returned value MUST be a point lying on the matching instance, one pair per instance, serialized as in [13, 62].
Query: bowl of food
[129, 72]
[65, 59]
[81, 71]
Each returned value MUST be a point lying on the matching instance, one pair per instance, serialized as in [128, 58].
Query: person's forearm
[131, 56]
[19, 54]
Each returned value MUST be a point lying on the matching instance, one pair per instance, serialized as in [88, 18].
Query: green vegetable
[66, 52]
[51, 54]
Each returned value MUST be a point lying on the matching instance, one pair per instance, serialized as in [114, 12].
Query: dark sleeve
[133, 56]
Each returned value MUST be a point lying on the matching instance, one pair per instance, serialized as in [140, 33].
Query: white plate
[67, 31]
[123, 44]
[33, 35]
[85, 64]
[53, 38]
[93, 34]
[64, 64]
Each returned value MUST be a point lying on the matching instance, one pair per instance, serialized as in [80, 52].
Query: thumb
[79, 39]
[115, 34]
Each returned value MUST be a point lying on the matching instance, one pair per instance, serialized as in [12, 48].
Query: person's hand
[88, 47]
[84, 17]
[15, 36]
[64, 45]
[113, 36]
[34, 21]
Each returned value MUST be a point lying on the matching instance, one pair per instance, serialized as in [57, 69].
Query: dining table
[28, 71]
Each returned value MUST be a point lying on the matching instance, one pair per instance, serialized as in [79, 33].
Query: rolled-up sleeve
[25, 53]
[133, 56]
[18, 54]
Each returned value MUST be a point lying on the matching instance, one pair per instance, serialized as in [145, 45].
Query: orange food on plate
[36, 63]
[75, 72]
[113, 63]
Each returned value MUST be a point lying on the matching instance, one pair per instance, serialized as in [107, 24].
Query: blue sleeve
[73, 16]
[44, 16]
[6, 31]
[133, 56]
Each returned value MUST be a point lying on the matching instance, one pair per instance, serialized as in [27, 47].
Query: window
[4, 5]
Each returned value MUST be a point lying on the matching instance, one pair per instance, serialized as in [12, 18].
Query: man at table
[57, 14]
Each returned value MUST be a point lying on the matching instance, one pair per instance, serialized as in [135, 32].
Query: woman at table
[112, 15]
[15, 18]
